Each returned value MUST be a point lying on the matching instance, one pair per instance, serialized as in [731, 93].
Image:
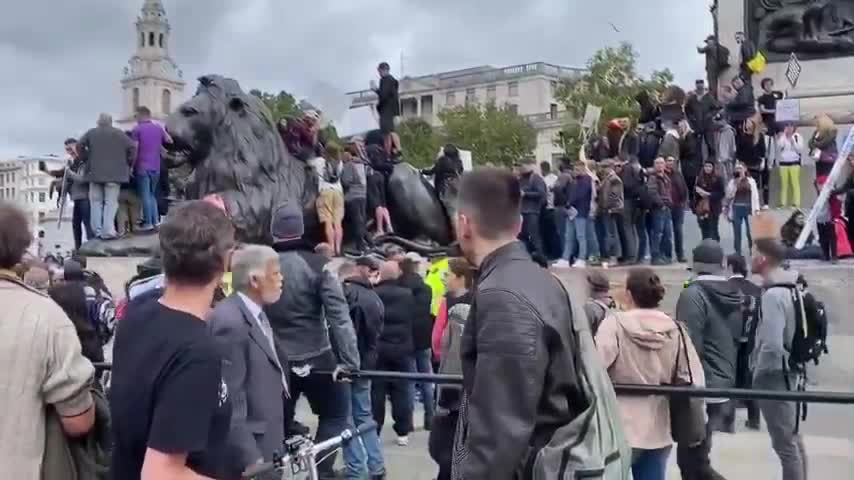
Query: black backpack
[332, 171]
[809, 341]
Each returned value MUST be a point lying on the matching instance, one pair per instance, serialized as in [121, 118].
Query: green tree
[493, 134]
[282, 105]
[611, 82]
[420, 142]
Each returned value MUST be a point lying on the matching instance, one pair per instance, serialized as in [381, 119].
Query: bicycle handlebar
[334, 442]
[343, 438]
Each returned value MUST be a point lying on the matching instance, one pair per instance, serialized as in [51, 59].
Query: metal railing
[636, 390]
[838, 398]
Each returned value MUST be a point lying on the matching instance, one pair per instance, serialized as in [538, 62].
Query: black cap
[708, 257]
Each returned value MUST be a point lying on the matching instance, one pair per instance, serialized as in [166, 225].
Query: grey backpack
[593, 445]
[450, 362]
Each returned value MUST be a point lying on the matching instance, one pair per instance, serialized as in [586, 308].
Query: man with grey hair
[108, 155]
[252, 363]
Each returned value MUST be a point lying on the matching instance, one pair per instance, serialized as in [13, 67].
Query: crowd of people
[216, 342]
[206, 376]
[624, 201]
[114, 179]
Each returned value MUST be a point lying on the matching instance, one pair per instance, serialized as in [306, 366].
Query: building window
[41, 197]
[161, 41]
[513, 89]
[135, 99]
[151, 39]
[141, 39]
[471, 96]
[554, 87]
[513, 108]
[450, 99]
[166, 101]
[553, 111]
[490, 92]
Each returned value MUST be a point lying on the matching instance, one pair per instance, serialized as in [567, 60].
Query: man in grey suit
[252, 366]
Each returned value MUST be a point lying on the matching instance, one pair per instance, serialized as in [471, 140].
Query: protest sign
[591, 116]
[788, 110]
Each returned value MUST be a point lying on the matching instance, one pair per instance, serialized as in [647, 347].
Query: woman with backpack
[644, 346]
[447, 333]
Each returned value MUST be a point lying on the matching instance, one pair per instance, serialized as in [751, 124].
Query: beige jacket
[42, 365]
[640, 347]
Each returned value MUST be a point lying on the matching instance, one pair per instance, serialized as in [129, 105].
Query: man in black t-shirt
[169, 404]
[768, 105]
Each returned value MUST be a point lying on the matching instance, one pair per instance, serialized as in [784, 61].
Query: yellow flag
[757, 63]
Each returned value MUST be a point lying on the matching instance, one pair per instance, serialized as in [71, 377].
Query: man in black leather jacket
[309, 319]
[519, 380]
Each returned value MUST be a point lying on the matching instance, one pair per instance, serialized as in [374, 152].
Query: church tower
[151, 78]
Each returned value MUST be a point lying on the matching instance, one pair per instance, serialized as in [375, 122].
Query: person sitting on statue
[448, 168]
[301, 135]
[742, 106]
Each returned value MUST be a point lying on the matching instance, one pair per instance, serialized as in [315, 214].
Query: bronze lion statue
[232, 147]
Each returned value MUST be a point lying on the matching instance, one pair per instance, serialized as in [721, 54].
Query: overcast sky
[62, 60]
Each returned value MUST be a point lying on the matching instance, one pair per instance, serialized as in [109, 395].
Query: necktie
[268, 332]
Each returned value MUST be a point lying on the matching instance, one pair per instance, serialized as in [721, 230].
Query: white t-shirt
[550, 180]
[319, 166]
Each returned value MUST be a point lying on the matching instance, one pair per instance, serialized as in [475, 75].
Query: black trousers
[80, 218]
[356, 222]
[629, 234]
[762, 177]
[401, 406]
[709, 227]
[328, 400]
[694, 461]
[827, 239]
[530, 234]
[441, 442]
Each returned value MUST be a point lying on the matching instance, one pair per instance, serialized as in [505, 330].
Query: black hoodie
[366, 312]
[710, 307]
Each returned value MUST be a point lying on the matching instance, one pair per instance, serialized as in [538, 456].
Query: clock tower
[151, 78]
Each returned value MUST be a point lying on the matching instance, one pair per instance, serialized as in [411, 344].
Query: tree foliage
[493, 134]
[611, 82]
[283, 105]
[420, 142]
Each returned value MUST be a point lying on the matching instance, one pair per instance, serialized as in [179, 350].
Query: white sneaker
[403, 441]
[579, 264]
[561, 264]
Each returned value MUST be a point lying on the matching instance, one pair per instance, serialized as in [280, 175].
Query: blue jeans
[424, 364]
[576, 234]
[741, 214]
[650, 464]
[640, 229]
[592, 238]
[369, 443]
[103, 206]
[146, 186]
[660, 243]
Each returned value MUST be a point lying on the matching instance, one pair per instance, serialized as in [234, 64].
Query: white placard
[591, 116]
[465, 157]
[787, 110]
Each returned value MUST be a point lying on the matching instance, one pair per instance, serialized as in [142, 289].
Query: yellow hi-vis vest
[435, 279]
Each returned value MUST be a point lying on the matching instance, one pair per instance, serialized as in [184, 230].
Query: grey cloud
[63, 59]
